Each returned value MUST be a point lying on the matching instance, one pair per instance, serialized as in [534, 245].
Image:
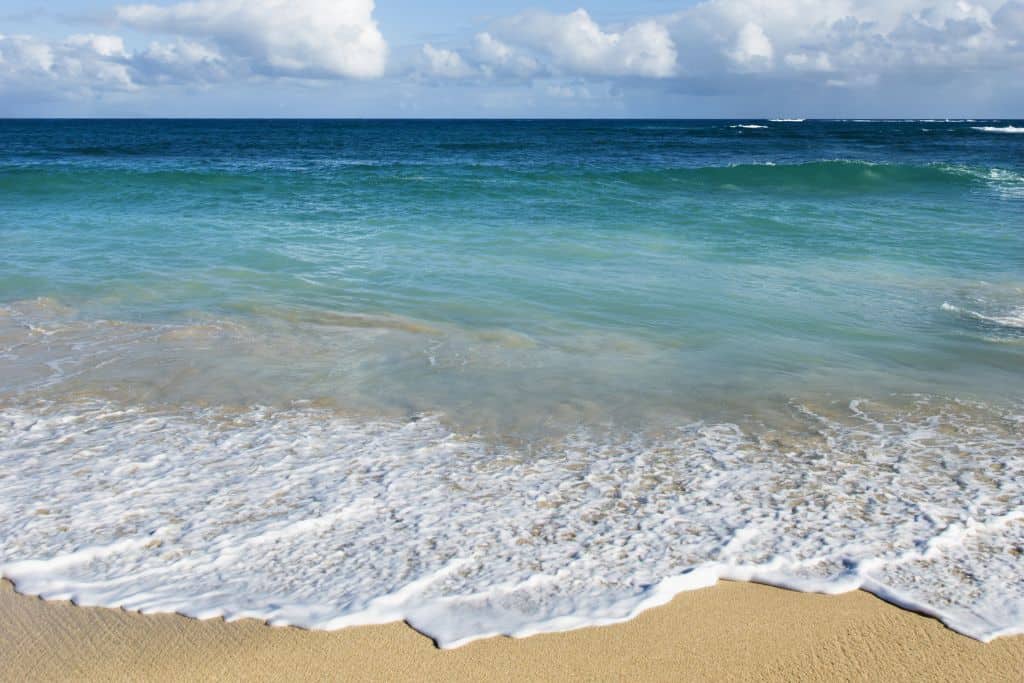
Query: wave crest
[998, 129]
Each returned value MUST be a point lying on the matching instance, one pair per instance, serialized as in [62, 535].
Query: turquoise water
[516, 284]
[725, 261]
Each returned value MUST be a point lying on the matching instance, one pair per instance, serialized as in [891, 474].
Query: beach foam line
[310, 518]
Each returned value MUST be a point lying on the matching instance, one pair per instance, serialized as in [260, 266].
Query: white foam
[999, 129]
[307, 517]
[1003, 182]
[787, 120]
[1012, 319]
[1008, 184]
[747, 125]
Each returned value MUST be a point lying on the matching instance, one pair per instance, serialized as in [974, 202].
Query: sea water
[511, 376]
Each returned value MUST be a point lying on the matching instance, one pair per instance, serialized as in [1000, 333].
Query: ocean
[511, 376]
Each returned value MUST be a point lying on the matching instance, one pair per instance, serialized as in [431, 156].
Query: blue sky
[661, 58]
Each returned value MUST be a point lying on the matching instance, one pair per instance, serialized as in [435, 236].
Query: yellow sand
[730, 632]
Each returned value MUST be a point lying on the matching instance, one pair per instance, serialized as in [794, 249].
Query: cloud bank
[310, 38]
[203, 42]
[849, 41]
[834, 42]
[717, 47]
[576, 44]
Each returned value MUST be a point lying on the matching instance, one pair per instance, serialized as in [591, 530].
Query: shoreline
[734, 631]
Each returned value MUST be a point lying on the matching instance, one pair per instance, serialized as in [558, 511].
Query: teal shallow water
[561, 296]
[693, 262]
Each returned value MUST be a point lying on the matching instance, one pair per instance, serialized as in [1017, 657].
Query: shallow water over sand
[510, 377]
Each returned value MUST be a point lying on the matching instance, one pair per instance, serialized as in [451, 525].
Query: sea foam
[307, 517]
[999, 129]
[1012, 319]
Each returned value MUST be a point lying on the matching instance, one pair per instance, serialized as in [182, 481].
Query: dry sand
[733, 631]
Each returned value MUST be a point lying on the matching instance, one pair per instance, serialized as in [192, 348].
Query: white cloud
[492, 50]
[737, 48]
[104, 46]
[303, 38]
[445, 63]
[25, 54]
[752, 46]
[498, 58]
[726, 46]
[182, 52]
[79, 64]
[181, 61]
[892, 37]
[539, 44]
[86, 65]
[575, 43]
[210, 41]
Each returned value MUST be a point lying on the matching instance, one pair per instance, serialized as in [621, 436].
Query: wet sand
[732, 631]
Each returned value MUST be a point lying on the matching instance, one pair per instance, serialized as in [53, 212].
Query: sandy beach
[732, 631]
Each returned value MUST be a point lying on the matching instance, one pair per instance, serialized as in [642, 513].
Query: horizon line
[780, 119]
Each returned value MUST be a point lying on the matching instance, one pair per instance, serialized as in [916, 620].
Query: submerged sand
[733, 631]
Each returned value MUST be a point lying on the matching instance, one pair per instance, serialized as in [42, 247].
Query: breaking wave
[999, 129]
[305, 516]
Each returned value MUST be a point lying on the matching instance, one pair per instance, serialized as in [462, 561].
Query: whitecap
[999, 129]
[1013, 319]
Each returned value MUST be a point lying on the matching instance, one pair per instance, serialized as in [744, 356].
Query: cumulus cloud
[445, 63]
[717, 47]
[303, 38]
[720, 47]
[103, 46]
[209, 41]
[89, 64]
[859, 39]
[180, 61]
[489, 59]
[539, 44]
[830, 42]
[752, 46]
[575, 43]
[78, 64]
[491, 50]
[499, 58]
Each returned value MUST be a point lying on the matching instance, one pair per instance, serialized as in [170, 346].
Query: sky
[507, 58]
